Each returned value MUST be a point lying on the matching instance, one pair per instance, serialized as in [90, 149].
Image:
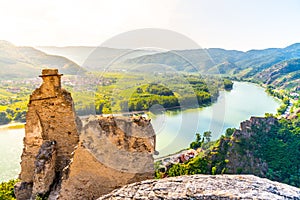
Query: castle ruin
[66, 158]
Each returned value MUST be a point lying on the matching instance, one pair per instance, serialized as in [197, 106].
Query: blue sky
[229, 24]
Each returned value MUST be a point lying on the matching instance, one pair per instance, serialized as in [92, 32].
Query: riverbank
[289, 98]
[14, 125]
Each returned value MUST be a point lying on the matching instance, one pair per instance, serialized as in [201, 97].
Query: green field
[98, 93]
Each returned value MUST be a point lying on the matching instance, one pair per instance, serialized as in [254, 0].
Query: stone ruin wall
[65, 159]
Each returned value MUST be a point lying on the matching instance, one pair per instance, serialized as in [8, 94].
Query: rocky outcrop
[241, 158]
[115, 151]
[246, 127]
[206, 187]
[64, 158]
[237, 154]
[50, 117]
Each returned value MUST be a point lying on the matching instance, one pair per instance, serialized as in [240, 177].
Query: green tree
[131, 107]
[198, 142]
[139, 106]
[20, 116]
[228, 84]
[4, 118]
[7, 190]
[207, 135]
[229, 132]
[10, 112]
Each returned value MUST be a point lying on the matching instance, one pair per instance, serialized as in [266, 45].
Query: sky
[229, 24]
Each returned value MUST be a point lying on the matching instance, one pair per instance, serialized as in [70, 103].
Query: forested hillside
[211, 60]
[203, 60]
[265, 147]
[285, 74]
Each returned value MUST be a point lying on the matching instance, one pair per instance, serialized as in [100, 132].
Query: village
[292, 107]
[183, 156]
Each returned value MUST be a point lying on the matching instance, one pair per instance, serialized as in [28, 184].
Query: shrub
[7, 190]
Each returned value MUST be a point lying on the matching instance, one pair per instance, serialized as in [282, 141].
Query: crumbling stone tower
[50, 117]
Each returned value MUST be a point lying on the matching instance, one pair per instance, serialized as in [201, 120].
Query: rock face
[206, 187]
[246, 160]
[236, 154]
[65, 159]
[44, 173]
[115, 151]
[246, 126]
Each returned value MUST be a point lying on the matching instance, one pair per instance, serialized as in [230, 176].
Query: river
[11, 145]
[174, 129]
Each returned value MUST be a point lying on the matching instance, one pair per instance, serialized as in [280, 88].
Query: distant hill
[201, 60]
[27, 62]
[95, 58]
[216, 60]
[258, 60]
[267, 65]
[285, 74]
[77, 54]
[224, 68]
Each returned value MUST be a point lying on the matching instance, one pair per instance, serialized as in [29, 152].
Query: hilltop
[26, 62]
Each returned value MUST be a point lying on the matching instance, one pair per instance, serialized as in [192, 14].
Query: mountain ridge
[193, 59]
[26, 62]
[254, 59]
[241, 64]
[91, 57]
